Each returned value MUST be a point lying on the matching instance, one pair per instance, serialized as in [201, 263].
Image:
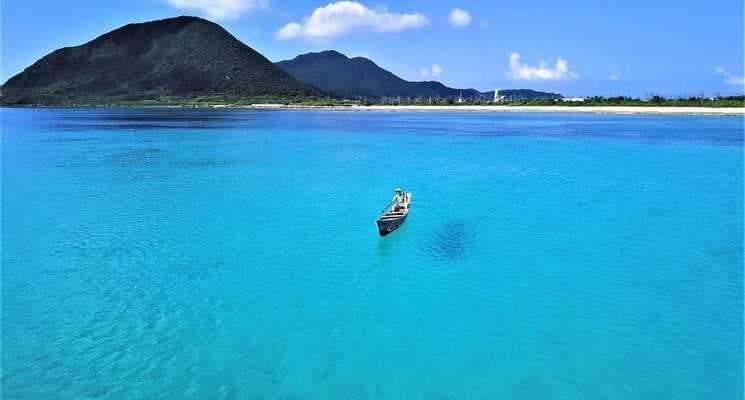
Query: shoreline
[539, 109]
[621, 110]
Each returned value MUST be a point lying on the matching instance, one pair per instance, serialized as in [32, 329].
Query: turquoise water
[172, 254]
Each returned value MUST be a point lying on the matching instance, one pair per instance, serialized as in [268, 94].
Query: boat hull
[386, 226]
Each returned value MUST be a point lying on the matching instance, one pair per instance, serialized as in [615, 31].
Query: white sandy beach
[564, 109]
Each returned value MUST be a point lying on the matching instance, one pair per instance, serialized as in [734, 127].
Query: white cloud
[289, 31]
[729, 78]
[520, 71]
[220, 9]
[459, 18]
[342, 17]
[613, 78]
[435, 70]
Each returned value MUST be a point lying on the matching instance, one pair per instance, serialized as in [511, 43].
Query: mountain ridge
[334, 72]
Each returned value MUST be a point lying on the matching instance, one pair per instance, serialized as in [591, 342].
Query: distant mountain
[178, 57]
[340, 75]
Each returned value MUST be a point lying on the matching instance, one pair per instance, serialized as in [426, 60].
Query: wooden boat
[394, 214]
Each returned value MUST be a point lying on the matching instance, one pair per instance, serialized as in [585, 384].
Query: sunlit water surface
[174, 254]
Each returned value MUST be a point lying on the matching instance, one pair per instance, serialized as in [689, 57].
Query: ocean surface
[196, 254]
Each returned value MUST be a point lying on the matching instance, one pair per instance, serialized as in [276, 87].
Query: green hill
[335, 73]
[177, 58]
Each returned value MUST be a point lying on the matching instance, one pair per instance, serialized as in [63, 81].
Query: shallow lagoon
[233, 254]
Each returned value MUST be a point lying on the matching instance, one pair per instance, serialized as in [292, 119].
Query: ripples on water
[233, 254]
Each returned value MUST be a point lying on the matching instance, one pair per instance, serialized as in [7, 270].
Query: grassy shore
[424, 108]
[620, 105]
[654, 102]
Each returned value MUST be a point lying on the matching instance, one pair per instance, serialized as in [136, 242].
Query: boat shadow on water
[449, 242]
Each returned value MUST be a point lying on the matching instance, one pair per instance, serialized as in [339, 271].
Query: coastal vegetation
[652, 101]
[620, 101]
[327, 101]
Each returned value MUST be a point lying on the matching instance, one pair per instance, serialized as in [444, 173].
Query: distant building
[497, 97]
[573, 99]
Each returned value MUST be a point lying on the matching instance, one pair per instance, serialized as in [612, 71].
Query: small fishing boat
[394, 214]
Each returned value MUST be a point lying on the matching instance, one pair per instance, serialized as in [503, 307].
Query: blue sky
[575, 47]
